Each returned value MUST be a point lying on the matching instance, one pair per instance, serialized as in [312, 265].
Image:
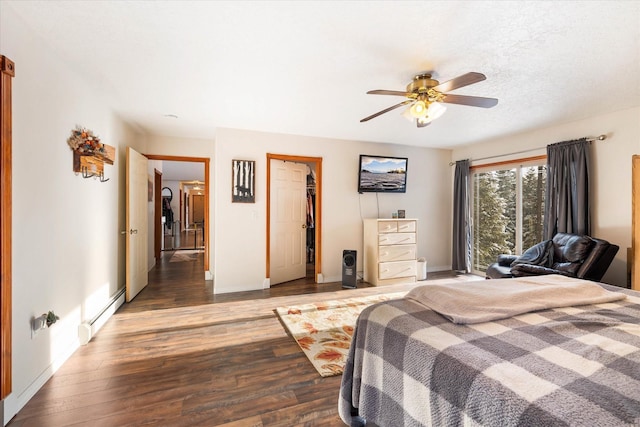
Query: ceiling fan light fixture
[426, 95]
[435, 110]
[407, 114]
[419, 109]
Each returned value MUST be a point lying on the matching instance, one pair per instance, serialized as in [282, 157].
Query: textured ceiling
[304, 67]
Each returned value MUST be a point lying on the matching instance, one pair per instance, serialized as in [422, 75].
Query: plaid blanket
[571, 366]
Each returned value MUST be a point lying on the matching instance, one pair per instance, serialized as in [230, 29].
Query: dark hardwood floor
[180, 356]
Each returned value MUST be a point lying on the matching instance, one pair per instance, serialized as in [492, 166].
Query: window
[508, 210]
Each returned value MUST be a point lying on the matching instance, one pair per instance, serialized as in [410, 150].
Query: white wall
[240, 228]
[68, 255]
[611, 171]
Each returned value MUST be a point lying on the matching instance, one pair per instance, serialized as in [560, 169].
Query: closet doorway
[303, 242]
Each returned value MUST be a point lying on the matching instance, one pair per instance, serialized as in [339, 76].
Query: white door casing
[288, 221]
[136, 221]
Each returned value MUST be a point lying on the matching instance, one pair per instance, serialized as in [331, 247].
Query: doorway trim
[205, 161]
[7, 72]
[157, 214]
[635, 223]
[317, 161]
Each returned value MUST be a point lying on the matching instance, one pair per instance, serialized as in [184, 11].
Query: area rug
[185, 255]
[324, 330]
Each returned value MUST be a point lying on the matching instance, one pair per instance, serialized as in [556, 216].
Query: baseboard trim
[14, 403]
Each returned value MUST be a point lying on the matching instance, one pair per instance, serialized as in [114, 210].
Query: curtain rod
[597, 138]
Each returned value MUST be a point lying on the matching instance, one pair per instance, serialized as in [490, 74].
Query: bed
[550, 360]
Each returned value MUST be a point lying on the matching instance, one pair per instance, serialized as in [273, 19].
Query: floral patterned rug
[324, 330]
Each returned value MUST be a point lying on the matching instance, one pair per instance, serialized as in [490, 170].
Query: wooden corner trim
[7, 72]
[7, 66]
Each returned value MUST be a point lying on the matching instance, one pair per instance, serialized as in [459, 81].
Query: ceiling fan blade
[474, 101]
[460, 81]
[387, 92]
[386, 110]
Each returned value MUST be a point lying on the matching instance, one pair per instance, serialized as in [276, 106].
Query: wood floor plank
[178, 355]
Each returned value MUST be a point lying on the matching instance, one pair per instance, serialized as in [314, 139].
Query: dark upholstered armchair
[571, 255]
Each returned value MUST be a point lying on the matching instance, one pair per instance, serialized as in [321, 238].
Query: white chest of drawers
[390, 251]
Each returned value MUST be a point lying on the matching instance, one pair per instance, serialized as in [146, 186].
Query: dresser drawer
[406, 226]
[387, 226]
[390, 270]
[395, 226]
[397, 239]
[397, 253]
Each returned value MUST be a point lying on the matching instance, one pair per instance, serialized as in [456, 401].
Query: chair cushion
[571, 248]
[570, 251]
[534, 270]
[537, 254]
[570, 268]
[505, 260]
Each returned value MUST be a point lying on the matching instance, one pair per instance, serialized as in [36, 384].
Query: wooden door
[288, 221]
[136, 248]
[158, 231]
[198, 208]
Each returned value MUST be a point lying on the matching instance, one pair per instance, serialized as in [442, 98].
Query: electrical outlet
[37, 324]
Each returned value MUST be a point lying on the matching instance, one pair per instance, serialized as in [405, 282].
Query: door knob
[304, 225]
[132, 231]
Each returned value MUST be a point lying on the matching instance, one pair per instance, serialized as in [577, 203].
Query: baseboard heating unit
[87, 330]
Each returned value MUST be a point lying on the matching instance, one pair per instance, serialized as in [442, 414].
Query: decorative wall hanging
[89, 154]
[243, 181]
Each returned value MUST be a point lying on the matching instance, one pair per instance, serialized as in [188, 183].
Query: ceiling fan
[427, 95]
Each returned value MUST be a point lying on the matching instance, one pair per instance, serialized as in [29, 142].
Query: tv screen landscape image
[380, 174]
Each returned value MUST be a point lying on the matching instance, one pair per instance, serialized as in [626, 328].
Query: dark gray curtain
[567, 198]
[461, 248]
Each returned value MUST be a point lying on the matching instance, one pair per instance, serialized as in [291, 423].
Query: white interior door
[288, 221]
[136, 266]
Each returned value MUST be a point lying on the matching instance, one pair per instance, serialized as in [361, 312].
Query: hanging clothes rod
[597, 138]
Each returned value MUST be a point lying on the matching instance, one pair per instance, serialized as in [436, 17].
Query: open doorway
[302, 242]
[179, 231]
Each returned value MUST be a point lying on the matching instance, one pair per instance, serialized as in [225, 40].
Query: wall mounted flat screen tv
[380, 174]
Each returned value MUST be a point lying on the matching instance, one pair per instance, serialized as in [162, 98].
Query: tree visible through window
[508, 212]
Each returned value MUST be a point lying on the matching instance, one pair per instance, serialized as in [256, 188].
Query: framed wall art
[243, 181]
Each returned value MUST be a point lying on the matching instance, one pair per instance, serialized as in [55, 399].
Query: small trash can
[422, 269]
